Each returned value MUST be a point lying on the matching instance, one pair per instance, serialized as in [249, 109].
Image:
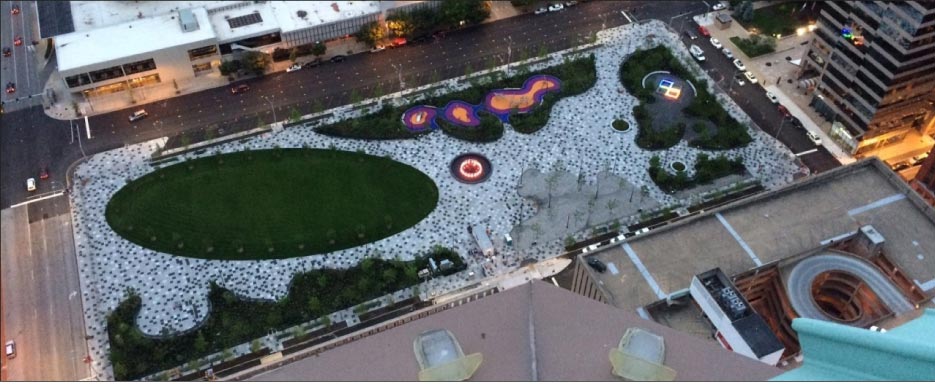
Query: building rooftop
[93, 14]
[532, 332]
[134, 38]
[249, 20]
[773, 226]
[318, 12]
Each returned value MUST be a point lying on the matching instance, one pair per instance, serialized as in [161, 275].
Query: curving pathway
[799, 283]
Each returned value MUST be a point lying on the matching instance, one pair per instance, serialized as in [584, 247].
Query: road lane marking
[803, 153]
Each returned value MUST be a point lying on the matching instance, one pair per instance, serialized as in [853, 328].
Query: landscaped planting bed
[271, 204]
[706, 171]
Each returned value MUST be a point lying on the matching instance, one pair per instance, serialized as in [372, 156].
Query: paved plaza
[579, 137]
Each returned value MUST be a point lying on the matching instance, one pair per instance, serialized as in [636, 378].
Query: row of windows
[329, 31]
[202, 52]
[114, 72]
[139, 66]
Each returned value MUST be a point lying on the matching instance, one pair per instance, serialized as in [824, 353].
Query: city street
[20, 68]
[30, 140]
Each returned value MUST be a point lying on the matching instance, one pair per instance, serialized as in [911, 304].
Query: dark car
[901, 166]
[703, 31]
[18, 41]
[783, 111]
[690, 35]
[10, 88]
[597, 265]
[44, 173]
[14, 10]
[338, 58]
[240, 89]
[313, 63]
[7, 52]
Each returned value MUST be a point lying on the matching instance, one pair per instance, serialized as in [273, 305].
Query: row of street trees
[256, 62]
[449, 15]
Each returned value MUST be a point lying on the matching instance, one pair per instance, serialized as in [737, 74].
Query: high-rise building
[876, 64]
[924, 182]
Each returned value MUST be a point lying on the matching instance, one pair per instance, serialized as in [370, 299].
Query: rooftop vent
[188, 21]
[301, 13]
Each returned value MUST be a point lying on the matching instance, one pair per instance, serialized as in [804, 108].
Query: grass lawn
[782, 18]
[756, 45]
[271, 204]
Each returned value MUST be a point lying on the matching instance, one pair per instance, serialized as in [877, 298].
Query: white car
[556, 7]
[739, 80]
[570, 3]
[10, 349]
[696, 52]
[30, 184]
[716, 43]
[749, 75]
[727, 53]
[294, 67]
[772, 97]
[540, 11]
[739, 65]
[813, 137]
[378, 48]
[138, 115]
[719, 6]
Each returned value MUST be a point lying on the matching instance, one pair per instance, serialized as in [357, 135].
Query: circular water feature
[471, 168]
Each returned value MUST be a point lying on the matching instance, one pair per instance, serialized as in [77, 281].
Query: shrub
[756, 45]
[621, 125]
[706, 171]
[489, 130]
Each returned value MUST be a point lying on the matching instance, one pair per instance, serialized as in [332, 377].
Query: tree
[255, 346]
[295, 115]
[611, 205]
[201, 345]
[370, 33]
[293, 54]
[228, 67]
[319, 49]
[314, 305]
[257, 62]
[453, 13]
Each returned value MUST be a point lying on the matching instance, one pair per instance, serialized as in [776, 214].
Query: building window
[139, 66]
[198, 68]
[77, 80]
[200, 53]
[106, 74]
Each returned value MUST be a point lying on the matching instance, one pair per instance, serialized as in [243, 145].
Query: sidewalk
[774, 67]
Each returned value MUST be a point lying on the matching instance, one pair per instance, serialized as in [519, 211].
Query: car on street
[294, 67]
[10, 87]
[719, 6]
[240, 88]
[44, 173]
[398, 42]
[597, 265]
[30, 184]
[739, 65]
[377, 48]
[541, 10]
[900, 166]
[10, 349]
[796, 122]
[703, 31]
[7, 52]
[750, 77]
[784, 111]
[740, 80]
[772, 97]
[138, 115]
[916, 160]
[14, 10]
[313, 63]
[570, 3]
[696, 52]
[18, 41]
[338, 58]
[814, 138]
[556, 7]
[716, 43]
[690, 35]
[727, 53]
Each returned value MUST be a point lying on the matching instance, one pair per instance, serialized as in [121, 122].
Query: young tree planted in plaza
[370, 33]
[319, 49]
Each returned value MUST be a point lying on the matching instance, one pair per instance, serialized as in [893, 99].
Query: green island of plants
[271, 204]
[729, 133]
[577, 76]
[233, 320]
[621, 125]
[706, 171]
[755, 45]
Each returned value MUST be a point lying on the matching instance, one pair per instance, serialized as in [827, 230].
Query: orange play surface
[506, 101]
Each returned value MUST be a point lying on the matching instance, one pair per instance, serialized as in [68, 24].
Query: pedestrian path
[578, 135]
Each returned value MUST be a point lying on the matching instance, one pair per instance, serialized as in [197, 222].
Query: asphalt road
[752, 99]
[20, 67]
[41, 303]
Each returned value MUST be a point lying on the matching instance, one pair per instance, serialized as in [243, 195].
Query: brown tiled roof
[533, 332]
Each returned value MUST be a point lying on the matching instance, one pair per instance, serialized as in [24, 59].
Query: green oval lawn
[271, 204]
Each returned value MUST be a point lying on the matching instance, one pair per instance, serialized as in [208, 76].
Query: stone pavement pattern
[579, 134]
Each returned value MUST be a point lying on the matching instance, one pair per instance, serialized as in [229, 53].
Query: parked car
[338, 58]
[772, 97]
[784, 111]
[696, 52]
[7, 52]
[294, 67]
[540, 11]
[716, 43]
[44, 173]
[703, 31]
[916, 160]
[377, 48]
[18, 41]
[749, 75]
[597, 265]
[556, 7]
[813, 137]
[240, 88]
[30, 184]
[719, 6]
[398, 42]
[10, 349]
[10, 87]
[739, 79]
[900, 166]
[796, 122]
[727, 53]
[570, 3]
[313, 63]
[690, 35]
[14, 10]
[138, 115]
[739, 65]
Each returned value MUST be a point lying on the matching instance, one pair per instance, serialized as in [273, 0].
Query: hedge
[706, 171]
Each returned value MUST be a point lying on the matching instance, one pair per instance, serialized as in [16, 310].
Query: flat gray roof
[774, 226]
[536, 331]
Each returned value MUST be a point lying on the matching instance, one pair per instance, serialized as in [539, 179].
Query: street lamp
[271, 108]
[399, 74]
[509, 51]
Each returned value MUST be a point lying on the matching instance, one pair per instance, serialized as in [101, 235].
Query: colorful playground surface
[500, 102]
